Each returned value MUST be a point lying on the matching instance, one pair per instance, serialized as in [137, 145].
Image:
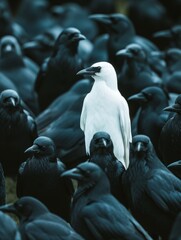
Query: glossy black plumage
[96, 214]
[36, 222]
[170, 136]
[17, 131]
[60, 72]
[153, 192]
[39, 177]
[9, 229]
[101, 153]
[136, 72]
[151, 117]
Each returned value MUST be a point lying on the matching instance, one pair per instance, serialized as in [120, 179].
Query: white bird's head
[102, 71]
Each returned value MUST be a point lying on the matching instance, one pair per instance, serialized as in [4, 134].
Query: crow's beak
[137, 98]
[139, 147]
[74, 173]
[32, 149]
[9, 208]
[101, 18]
[12, 101]
[31, 45]
[174, 164]
[124, 53]
[78, 37]
[174, 108]
[162, 34]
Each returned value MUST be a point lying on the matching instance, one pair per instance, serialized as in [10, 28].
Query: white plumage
[105, 109]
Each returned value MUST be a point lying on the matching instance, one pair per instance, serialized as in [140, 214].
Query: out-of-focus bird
[13, 65]
[153, 192]
[61, 68]
[170, 136]
[96, 214]
[9, 229]
[17, 131]
[151, 116]
[136, 72]
[101, 153]
[36, 222]
[121, 33]
[105, 109]
[68, 137]
[170, 38]
[39, 177]
[175, 168]
[62, 103]
[2, 186]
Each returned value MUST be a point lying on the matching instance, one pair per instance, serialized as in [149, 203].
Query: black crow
[170, 136]
[151, 117]
[175, 168]
[68, 137]
[96, 214]
[62, 103]
[36, 222]
[39, 177]
[101, 153]
[9, 229]
[2, 187]
[13, 65]
[153, 192]
[121, 33]
[61, 69]
[136, 72]
[17, 131]
[105, 109]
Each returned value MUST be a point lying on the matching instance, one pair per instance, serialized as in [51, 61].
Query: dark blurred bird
[37, 19]
[153, 192]
[68, 137]
[175, 233]
[105, 109]
[101, 153]
[151, 117]
[36, 222]
[17, 131]
[96, 214]
[136, 72]
[13, 66]
[148, 16]
[170, 38]
[60, 72]
[175, 168]
[39, 177]
[121, 33]
[9, 229]
[170, 136]
[62, 103]
[2, 187]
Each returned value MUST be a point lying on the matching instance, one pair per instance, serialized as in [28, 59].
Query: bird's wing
[165, 190]
[125, 126]
[42, 230]
[31, 125]
[83, 114]
[105, 221]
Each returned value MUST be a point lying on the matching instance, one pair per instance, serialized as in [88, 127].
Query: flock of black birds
[90, 119]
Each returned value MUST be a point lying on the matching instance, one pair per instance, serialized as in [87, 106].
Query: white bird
[105, 109]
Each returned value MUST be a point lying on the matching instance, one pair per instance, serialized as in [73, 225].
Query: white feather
[105, 109]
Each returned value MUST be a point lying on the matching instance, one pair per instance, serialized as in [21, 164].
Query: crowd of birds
[90, 119]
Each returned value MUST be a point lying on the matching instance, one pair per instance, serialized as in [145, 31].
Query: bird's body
[149, 182]
[105, 109]
[96, 214]
[39, 177]
[36, 222]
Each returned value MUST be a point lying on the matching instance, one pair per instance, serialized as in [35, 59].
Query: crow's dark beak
[139, 147]
[174, 164]
[137, 98]
[12, 101]
[9, 208]
[174, 108]
[90, 71]
[101, 18]
[31, 45]
[74, 173]
[124, 53]
[33, 149]
[78, 37]
[162, 34]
